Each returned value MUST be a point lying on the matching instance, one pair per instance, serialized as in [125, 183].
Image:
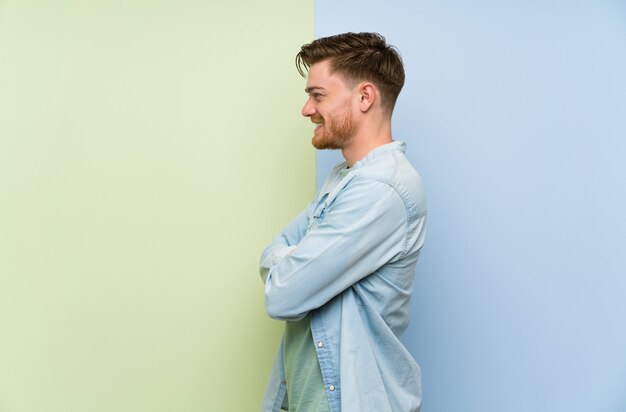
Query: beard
[336, 132]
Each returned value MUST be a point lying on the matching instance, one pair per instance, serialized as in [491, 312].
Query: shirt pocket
[317, 214]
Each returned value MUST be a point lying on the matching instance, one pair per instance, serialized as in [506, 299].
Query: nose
[308, 109]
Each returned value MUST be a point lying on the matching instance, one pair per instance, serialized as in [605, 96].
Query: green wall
[148, 151]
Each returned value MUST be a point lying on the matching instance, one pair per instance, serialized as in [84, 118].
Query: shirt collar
[394, 146]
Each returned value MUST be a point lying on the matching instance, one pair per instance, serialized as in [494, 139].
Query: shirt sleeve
[283, 244]
[363, 229]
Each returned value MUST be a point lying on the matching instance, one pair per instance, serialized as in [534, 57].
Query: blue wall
[515, 115]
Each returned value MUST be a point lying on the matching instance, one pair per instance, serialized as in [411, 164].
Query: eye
[316, 96]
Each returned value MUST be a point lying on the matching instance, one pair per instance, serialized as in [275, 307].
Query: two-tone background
[150, 149]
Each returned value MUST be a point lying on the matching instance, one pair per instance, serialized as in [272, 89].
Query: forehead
[320, 77]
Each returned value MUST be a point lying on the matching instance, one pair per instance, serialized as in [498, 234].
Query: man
[342, 272]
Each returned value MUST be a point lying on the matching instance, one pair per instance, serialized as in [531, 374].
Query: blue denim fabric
[349, 259]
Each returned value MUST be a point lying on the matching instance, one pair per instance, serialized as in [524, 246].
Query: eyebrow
[310, 89]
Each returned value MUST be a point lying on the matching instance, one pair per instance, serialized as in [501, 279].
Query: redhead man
[341, 274]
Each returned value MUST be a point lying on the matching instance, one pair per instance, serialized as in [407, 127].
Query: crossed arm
[364, 228]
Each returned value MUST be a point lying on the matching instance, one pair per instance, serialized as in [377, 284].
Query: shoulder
[393, 172]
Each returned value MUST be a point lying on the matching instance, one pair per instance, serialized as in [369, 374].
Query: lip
[318, 123]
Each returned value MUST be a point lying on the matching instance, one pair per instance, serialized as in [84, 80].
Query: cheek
[347, 106]
[335, 112]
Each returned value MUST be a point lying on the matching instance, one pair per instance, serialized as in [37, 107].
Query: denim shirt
[349, 259]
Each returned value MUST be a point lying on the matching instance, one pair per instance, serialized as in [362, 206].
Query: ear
[368, 94]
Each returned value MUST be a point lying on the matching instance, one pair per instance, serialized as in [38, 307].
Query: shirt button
[331, 388]
[320, 344]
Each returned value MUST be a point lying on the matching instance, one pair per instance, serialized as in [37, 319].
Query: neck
[367, 138]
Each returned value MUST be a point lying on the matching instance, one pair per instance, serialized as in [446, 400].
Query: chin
[322, 144]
